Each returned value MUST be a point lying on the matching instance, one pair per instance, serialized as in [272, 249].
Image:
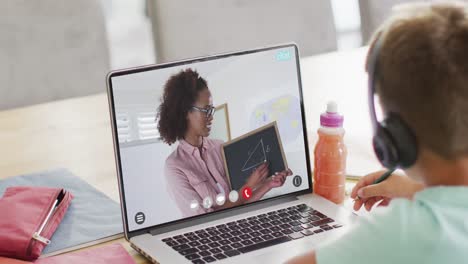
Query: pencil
[384, 176]
[380, 179]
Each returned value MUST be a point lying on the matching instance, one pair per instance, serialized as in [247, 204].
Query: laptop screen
[207, 135]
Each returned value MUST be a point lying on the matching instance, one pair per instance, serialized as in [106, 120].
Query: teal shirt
[432, 228]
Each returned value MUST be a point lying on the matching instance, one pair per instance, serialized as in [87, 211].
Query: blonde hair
[423, 73]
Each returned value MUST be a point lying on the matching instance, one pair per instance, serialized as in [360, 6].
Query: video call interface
[206, 136]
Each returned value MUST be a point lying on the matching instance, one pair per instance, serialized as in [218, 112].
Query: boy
[423, 76]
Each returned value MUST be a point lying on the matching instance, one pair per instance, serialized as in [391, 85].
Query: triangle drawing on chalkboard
[256, 156]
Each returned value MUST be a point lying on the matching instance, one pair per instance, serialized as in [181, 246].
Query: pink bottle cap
[331, 118]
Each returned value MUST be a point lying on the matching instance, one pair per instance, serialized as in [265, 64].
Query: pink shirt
[188, 177]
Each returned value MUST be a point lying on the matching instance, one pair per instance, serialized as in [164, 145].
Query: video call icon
[297, 181]
[194, 205]
[247, 193]
[233, 196]
[140, 218]
[207, 202]
[220, 199]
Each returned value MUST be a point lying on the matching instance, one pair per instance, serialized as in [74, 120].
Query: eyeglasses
[209, 110]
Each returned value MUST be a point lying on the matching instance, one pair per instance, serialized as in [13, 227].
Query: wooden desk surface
[75, 133]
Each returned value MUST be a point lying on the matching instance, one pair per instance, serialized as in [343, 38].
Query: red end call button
[247, 193]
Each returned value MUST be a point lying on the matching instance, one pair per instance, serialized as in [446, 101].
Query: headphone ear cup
[403, 140]
[384, 148]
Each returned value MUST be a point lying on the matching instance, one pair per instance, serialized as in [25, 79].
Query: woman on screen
[195, 171]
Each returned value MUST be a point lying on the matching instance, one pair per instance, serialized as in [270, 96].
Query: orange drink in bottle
[330, 156]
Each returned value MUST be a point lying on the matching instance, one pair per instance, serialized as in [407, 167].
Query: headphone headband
[372, 72]
[393, 141]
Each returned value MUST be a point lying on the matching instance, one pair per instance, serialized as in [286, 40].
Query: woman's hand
[258, 176]
[396, 186]
[278, 179]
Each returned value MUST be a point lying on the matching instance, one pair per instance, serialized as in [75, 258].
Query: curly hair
[180, 93]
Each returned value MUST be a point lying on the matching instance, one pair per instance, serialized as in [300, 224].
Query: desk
[75, 133]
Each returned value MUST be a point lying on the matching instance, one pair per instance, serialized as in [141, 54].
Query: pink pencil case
[29, 218]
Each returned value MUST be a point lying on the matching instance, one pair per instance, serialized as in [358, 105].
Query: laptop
[175, 175]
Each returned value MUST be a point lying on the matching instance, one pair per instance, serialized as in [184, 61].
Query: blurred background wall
[57, 49]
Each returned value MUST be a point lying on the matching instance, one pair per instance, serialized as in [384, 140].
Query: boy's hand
[396, 186]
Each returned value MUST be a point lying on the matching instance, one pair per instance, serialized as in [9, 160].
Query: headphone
[394, 143]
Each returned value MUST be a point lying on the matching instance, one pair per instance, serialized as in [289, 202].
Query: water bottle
[330, 156]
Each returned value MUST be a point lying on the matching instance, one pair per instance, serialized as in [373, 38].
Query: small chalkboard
[245, 153]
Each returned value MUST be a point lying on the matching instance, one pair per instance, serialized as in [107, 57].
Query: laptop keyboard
[245, 235]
